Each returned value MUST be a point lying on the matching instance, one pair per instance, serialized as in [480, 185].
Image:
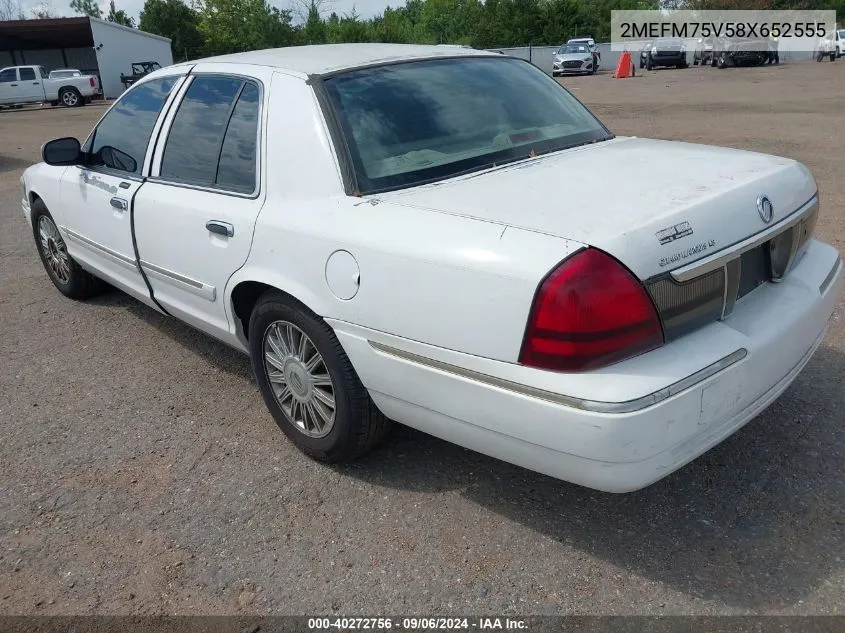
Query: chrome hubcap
[299, 378]
[54, 249]
[69, 98]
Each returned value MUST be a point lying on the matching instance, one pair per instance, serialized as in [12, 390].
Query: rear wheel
[70, 98]
[722, 61]
[648, 64]
[308, 382]
[68, 276]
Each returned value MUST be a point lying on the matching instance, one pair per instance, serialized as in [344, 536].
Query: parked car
[574, 58]
[594, 49]
[704, 52]
[32, 84]
[840, 42]
[64, 73]
[139, 70]
[666, 52]
[739, 51]
[828, 48]
[384, 256]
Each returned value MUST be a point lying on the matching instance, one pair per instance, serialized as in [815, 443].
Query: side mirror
[114, 158]
[62, 151]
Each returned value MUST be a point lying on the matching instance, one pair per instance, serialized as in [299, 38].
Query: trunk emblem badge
[765, 209]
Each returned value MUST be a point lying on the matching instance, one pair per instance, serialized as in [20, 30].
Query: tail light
[92, 82]
[589, 312]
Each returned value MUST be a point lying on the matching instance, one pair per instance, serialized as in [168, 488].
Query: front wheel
[308, 382]
[723, 61]
[68, 276]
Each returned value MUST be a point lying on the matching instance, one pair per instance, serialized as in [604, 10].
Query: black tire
[642, 64]
[648, 64]
[74, 281]
[70, 98]
[358, 425]
[722, 62]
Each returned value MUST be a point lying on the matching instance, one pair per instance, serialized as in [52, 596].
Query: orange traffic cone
[623, 66]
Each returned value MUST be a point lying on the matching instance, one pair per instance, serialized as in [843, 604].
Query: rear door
[194, 217]
[97, 200]
[9, 85]
[29, 84]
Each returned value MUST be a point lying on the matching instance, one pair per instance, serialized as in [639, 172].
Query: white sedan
[449, 239]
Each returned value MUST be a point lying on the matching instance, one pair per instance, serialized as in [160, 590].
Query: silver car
[574, 58]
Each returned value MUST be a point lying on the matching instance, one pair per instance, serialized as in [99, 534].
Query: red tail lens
[92, 82]
[588, 313]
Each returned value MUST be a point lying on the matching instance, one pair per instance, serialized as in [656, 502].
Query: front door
[195, 216]
[96, 200]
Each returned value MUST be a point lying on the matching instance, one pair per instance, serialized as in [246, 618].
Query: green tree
[231, 26]
[179, 22]
[314, 31]
[119, 16]
[86, 7]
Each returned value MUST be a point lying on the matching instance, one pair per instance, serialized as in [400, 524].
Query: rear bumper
[669, 60]
[778, 326]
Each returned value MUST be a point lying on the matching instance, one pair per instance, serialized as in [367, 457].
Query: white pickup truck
[31, 84]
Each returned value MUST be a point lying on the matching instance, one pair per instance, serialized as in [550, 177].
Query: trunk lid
[654, 205]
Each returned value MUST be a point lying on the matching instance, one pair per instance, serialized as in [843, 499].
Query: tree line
[199, 28]
[214, 27]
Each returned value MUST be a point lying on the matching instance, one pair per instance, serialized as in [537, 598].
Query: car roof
[328, 58]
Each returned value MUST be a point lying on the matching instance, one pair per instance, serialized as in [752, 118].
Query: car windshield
[415, 122]
[573, 48]
[667, 43]
[842, 34]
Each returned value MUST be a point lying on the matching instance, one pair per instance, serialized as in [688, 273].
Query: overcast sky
[365, 8]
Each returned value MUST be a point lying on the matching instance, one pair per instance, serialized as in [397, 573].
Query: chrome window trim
[595, 406]
[722, 257]
[158, 156]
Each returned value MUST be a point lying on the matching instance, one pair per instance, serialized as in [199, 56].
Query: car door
[29, 85]
[194, 217]
[8, 85]
[96, 200]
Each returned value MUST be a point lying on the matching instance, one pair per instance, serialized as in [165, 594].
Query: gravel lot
[140, 472]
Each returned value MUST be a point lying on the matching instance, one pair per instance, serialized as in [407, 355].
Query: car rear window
[420, 121]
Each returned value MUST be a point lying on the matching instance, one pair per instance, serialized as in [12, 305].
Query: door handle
[119, 204]
[35, 83]
[15, 85]
[220, 228]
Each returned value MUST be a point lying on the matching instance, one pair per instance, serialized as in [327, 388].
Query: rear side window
[27, 74]
[129, 124]
[8, 75]
[212, 141]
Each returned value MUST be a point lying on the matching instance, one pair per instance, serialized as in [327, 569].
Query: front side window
[416, 122]
[212, 141]
[8, 75]
[27, 74]
[125, 131]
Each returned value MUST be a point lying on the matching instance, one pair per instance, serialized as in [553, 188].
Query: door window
[236, 170]
[212, 141]
[125, 131]
[8, 75]
[27, 74]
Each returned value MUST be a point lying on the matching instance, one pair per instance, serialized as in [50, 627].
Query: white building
[93, 46]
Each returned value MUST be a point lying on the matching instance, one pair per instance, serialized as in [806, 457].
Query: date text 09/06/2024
[416, 624]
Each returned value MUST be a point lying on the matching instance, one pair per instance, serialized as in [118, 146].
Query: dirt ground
[140, 472]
